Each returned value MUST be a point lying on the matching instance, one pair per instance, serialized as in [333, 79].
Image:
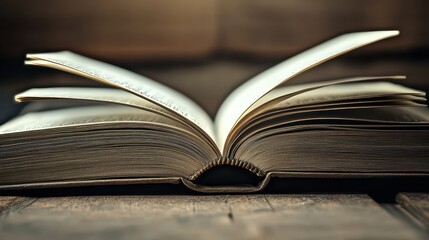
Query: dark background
[206, 48]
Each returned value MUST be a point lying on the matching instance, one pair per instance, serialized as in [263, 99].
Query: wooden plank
[337, 216]
[5, 203]
[241, 207]
[107, 217]
[13, 204]
[113, 206]
[417, 204]
[256, 216]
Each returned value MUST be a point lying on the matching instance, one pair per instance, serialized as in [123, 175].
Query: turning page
[144, 87]
[241, 99]
[106, 95]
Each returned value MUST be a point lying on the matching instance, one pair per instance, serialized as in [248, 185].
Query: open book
[141, 131]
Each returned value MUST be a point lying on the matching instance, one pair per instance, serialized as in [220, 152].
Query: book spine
[228, 161]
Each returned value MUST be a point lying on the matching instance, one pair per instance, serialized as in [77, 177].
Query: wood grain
[417, 204]
[6, 203]
[12, 204]
[304, 216]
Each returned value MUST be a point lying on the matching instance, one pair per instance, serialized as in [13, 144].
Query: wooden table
[258, 216]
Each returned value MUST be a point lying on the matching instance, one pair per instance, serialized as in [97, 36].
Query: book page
[80, 116]
[336, 97]
[98, 142]
[280, 94]
[284, 96]
[242, 98]
[105, 95]
[141, 86]
[350, 91]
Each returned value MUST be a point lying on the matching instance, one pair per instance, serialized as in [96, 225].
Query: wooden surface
[292, 216]
[416, 204]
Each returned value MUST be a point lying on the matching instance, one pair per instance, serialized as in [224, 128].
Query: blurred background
[206, 48]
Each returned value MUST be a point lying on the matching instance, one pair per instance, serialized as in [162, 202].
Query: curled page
[141, 86]
[242, 98]
[105, 95]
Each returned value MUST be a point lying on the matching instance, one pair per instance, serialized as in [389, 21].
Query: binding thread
[231, 162]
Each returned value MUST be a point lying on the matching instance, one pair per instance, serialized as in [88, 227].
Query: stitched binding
[231, 162]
